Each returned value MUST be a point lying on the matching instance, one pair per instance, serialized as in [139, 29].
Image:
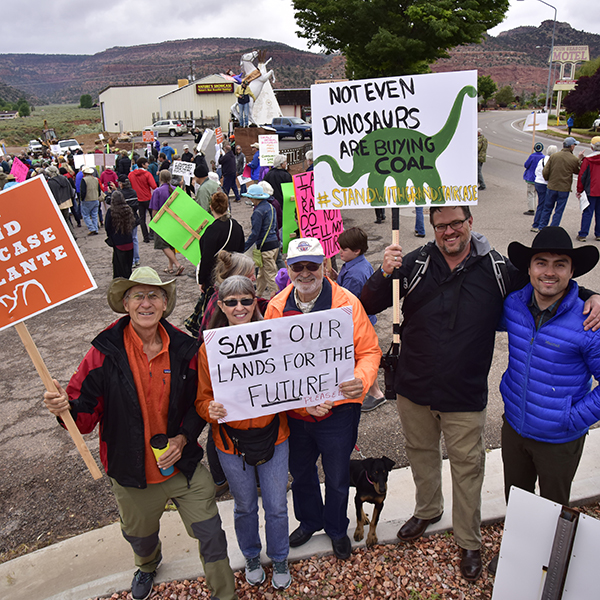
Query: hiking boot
[281, 575]
[141, 586]
[255, 574]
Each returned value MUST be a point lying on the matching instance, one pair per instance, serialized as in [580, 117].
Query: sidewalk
[100, 562]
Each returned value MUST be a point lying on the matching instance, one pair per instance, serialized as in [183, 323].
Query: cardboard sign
[325, 225]
[268, 148]
[536, 121]
[148, 136]
[19, 170]
[40, 263]
[181, 221]
[290, 224]
[270, 366]
[396, 141]
[184, 169]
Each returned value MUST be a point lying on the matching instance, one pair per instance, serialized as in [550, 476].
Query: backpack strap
[500, 271]
[419, 269]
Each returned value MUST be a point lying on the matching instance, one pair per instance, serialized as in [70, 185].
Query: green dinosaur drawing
[402, 154]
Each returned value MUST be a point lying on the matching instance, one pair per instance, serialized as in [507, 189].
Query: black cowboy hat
[557, 241]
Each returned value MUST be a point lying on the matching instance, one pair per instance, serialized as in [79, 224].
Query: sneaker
[255, 574]
[419, 235]
[281, 575]
[141, 586]
[370, 403]
[598, 238]
[581, 238]
[136, 264]
[529, 212]
[534, 230]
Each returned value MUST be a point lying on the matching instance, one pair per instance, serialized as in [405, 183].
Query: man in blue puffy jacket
[547, 387]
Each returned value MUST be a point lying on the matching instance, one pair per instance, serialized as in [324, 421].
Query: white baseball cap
[305, 249]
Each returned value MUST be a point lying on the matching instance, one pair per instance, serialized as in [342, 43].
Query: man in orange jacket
[332, 433]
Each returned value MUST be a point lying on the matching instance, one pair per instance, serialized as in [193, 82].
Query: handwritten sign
[268, 148]
[147, 136]
[41, 265]
[219, 135]
[396, 141]
[325, 225]
[184, 169]
[19, 170]
[281, 364]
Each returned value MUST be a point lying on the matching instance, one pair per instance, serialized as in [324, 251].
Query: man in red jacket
[589, 182]
[142, 181]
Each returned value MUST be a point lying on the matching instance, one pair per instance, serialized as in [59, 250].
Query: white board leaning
[282, 364]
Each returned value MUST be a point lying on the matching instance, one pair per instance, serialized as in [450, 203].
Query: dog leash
[359, 452]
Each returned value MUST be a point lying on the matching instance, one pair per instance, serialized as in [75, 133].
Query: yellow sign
[214, 88]
[570, 54]
[565, 85]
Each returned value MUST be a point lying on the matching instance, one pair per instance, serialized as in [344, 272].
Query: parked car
[34, 147]
[292, 127]
[72, 145]
[171, 127]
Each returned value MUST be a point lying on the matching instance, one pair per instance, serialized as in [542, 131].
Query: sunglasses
[310, 266]
[233, 302]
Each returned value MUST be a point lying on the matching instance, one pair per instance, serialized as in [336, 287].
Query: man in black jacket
[450, 317]
[278, 175]
[228, 165]
[111, 387]
[63, 193]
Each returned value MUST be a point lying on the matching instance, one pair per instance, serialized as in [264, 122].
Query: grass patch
[67, 120]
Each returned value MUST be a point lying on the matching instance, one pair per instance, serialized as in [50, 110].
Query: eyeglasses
[152, 296]
[456, 225]
[299, 267]
[234, 302]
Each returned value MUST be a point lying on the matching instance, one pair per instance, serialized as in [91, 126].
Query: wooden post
[44, 374]
[533, 138]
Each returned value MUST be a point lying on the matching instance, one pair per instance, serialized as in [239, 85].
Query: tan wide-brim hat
[140, 276]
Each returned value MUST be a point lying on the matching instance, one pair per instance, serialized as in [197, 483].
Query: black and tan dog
[369, 476]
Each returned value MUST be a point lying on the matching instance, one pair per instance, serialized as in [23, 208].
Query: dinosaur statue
[402, 154]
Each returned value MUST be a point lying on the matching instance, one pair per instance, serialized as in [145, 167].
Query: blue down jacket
[546, 387]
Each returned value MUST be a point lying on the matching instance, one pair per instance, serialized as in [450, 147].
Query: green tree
[23, 108]
[85, 101]
[588, 69]
[486, 88]
[504, 96]
[387, 37]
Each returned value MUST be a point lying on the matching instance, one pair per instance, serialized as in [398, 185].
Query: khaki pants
[267, 274]
[463, 434]
[140, 511]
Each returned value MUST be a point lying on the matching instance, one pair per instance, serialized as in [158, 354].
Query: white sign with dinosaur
[396, 141]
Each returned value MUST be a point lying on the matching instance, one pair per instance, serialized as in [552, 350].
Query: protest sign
[41, 269]
[396, 141]
[536, 121]
[181, 221]
[19, 170]
[290, 225]
[184, 169]
[325, 225]
[281, 364]
[219, 135]
[40, 264]
[268, 148]
[148, 136]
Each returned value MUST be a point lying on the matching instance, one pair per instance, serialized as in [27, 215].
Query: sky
[83, 27]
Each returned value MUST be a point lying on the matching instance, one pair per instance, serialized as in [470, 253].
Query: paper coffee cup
[160, 444]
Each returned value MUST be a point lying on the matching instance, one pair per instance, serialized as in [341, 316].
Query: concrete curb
[69, 570]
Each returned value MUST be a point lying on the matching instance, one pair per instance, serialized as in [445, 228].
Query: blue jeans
[89, 212]
[228, 184]
[136, 245]
[273, 478]
[586, 217]
[480, 180]
[419, 221]
[334, 439]
[553, 197]
[540, 188]
[244, 114]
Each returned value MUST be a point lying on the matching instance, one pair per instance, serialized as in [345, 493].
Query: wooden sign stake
[38, 363]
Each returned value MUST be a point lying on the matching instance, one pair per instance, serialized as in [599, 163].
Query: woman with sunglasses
[237, 305]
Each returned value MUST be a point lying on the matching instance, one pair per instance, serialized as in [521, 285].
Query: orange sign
[40, 263]
[219, 135]
[147, 136]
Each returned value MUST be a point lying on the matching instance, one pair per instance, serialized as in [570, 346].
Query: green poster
[290, 225]
[179, 222]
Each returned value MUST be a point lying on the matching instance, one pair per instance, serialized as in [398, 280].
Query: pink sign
[19, 170]
[325, 225]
